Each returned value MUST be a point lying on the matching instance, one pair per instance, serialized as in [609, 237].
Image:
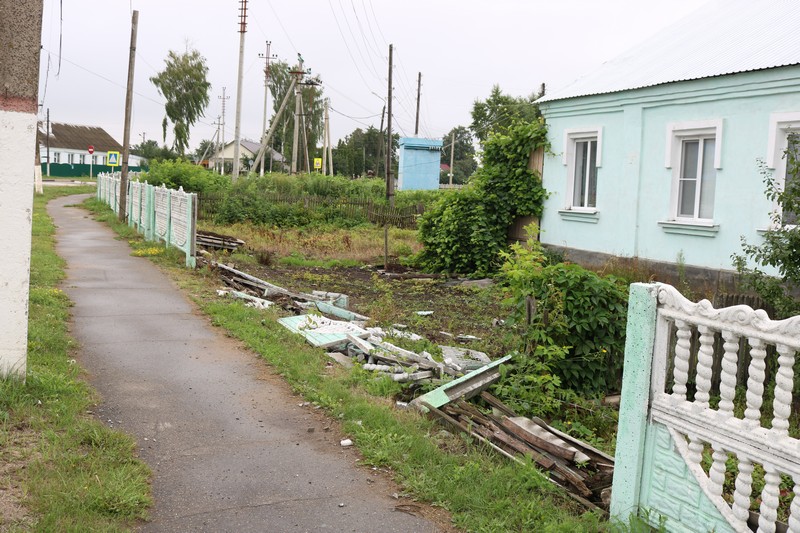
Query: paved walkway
[229, 446]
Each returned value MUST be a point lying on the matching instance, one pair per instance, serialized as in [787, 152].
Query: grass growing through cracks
[69, 471]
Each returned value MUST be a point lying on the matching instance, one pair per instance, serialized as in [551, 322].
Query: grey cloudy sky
[462, 48]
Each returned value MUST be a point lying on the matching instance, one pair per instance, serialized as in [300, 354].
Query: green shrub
[575, 308]
[466, 229]
[180, 173]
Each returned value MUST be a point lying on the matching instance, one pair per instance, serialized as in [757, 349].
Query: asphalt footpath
[230, 447]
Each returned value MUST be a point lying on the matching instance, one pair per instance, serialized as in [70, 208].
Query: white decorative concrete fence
[693, 451]
[158, 213]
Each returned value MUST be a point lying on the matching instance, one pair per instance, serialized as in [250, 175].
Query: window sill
[689, 228]
[591, 217]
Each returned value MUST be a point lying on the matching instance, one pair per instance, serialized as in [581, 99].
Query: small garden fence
[708, 429]
[209, 204]
[158, 213]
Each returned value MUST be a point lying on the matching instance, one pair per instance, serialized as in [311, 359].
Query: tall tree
[360, 153]
[207, 147]
[184, 85]
[151, 151]
[280, 77]
[464, 162]
[500, 111]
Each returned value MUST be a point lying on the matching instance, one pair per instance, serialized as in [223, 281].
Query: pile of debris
[217, 241]
[344, 334]
[323, 319]
[584, 471]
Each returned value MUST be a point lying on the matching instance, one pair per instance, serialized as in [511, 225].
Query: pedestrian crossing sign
[113, 159]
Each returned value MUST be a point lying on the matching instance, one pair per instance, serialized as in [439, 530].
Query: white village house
[68, 146]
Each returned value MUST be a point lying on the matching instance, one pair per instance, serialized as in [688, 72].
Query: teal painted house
[659, 154]
[418, 164]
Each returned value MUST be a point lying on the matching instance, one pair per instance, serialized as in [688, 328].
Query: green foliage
[464, 162]
[363, 152]
[500, 112]
[566, 306]
[180, 173]
[183, 83]
[466, 230]
[781, 247]
[151, 151]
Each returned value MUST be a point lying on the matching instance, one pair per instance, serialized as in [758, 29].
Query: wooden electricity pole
[419, 91]
[126, 135]
[389, 178]
[224, 99]
[452, 153]
[267, 57]
[238, 128]
[297, 110]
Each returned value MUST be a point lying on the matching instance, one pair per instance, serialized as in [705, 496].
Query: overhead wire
[347, 46]
[374, 71]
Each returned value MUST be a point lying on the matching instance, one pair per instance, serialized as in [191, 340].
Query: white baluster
[705, 360]
[755, 381]
[784, 383]
[794, 510]
[682, 352]
[742, 492]
[727, 385]
[695, 454]
[769, 501]
[717, 472]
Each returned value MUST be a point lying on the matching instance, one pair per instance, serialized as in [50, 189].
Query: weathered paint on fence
[157, 213]
[687, 455]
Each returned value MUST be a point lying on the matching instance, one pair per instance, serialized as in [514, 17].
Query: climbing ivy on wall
[465, 231]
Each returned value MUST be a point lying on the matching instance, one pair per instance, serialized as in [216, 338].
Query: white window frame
[677, 133]
[780, 126]
[56, 158]
[571, 137]
[70, 158]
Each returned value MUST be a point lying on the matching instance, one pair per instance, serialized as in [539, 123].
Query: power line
[280, 23]
[347, 46]
[355, 42]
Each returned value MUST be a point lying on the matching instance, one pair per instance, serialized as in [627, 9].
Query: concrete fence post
[639, 340]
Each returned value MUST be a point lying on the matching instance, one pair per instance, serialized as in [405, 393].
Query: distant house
[68, 146]
[249, 151]
[656, 154]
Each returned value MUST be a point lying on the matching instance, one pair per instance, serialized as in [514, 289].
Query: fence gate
[702, 445]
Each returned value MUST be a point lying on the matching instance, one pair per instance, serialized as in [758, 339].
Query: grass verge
[483, 492]
[65, 470]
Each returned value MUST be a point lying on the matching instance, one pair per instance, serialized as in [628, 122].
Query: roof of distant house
[722, 37]
[254, 147]
[75, 137]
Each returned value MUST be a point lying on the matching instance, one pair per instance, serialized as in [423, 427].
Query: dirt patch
[18, 451]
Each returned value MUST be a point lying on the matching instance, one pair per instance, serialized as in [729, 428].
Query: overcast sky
[462, 48]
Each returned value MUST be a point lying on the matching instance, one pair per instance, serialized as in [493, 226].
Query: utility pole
[48, 142]
[267, 57]
[419, 91]
[305, 133]
[380, 142]
[217, 151]
[328, 136]
[295, 139]
[20, 44]
[274, 126]
[389, 179]
[143, 135]
[452, 153]
[224, 99]
[325, 141]
[126, 135]
[237, 129]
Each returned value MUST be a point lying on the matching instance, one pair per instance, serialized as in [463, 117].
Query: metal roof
[722, 37]
[76, 137]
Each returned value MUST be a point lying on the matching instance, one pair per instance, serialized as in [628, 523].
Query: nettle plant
[465, 231]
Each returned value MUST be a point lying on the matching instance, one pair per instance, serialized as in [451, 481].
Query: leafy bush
[180, 173]
[575, 309]
[781, 247]
[467, 229]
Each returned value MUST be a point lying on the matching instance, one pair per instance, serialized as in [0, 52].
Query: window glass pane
[592, 185]
[791, 179]
[579, 180]
[708, 180]
[690, 154]
[686, 198]
[687, 188]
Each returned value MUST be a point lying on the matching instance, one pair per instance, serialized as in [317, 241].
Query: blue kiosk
[418, 167]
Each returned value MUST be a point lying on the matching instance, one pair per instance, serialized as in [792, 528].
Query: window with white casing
[783, 155]
[693, 153]
[582, 156]
[56, 157]
[70, 158]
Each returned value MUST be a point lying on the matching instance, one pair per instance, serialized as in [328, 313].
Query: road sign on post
[91, 161]
[113, 159]
[91, 149]
[317, 163]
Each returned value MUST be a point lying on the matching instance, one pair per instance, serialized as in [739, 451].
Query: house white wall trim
[780, 124]
[677, 131]
[573, 134]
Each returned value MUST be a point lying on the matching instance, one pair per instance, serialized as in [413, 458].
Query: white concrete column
[20, 40]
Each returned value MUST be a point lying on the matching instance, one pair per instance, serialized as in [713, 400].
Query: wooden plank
[536, 441]
[497, 404]
[439, 397]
